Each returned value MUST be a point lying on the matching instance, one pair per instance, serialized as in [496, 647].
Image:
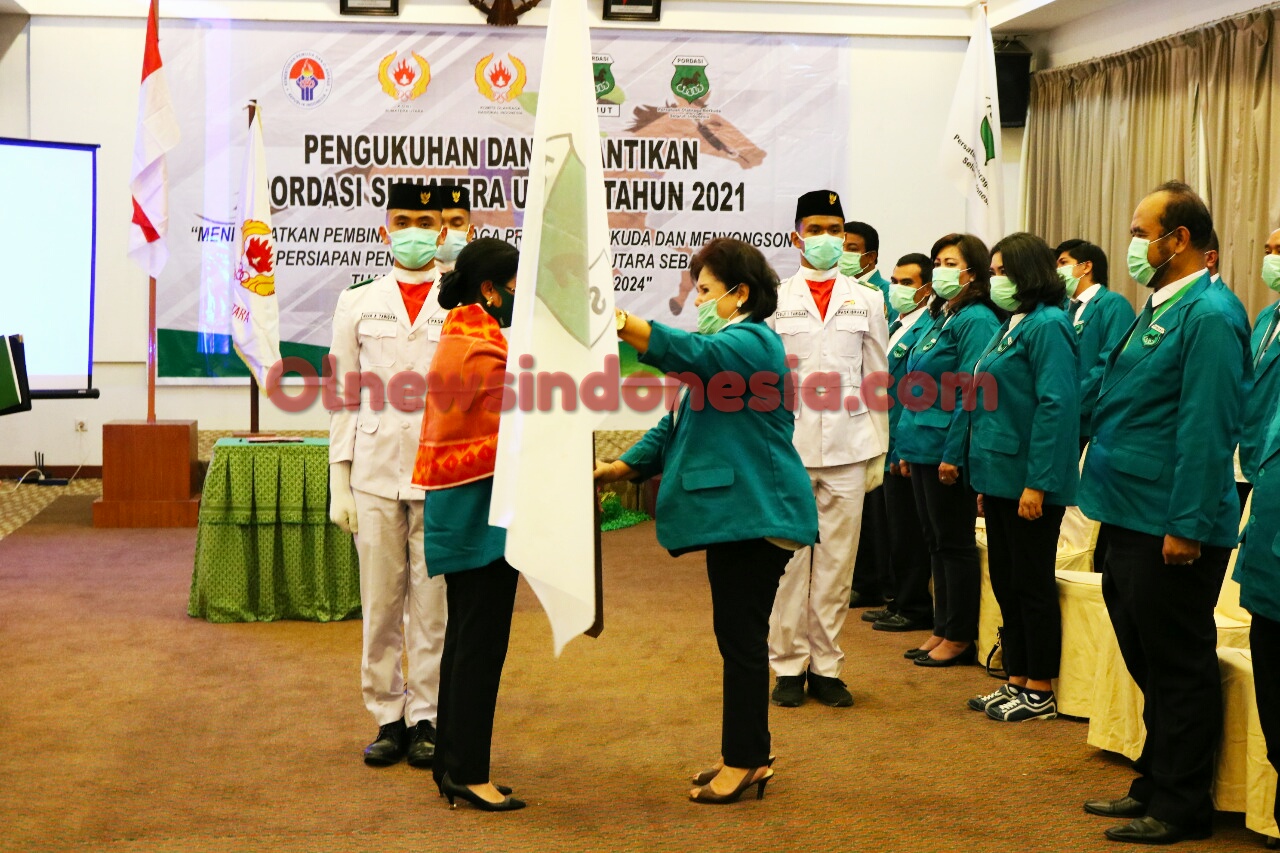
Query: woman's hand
[1031, 504]
[904, 469]
[948, 474]
[612, 472]
[982, 510]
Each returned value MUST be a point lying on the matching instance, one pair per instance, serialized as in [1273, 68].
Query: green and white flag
[543, 491]
[971, 145]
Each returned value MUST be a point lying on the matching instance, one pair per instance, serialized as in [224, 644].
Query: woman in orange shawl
[455, 465]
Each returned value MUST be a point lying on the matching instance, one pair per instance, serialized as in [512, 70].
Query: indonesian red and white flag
[255, 312]
[149, 180]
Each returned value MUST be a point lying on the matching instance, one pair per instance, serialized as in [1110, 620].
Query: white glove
[875, 472]
[342, 504]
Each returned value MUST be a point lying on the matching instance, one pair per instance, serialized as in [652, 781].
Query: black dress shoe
[789, 691]
[969, 655]
[422, 747]
[1151, 830]
[876, 615]
[860, 600]
[898, 622]
[389, 746]
[913, 654]
[1126, 806]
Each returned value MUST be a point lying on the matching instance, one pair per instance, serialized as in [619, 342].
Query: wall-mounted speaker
[1013, 79]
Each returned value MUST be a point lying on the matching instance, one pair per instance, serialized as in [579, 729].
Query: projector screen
[48, 234]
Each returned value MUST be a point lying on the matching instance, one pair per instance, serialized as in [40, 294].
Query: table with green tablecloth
[265, 548]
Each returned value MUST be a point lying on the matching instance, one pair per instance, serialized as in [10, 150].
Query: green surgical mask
[1271, 272]
[1139, 267]
[1064, 273]
[709, 319]
[454, 242]
[946, 282]
[414, 248]
[1005, 293]
[902, 298]
[823, 250]
[850, 263]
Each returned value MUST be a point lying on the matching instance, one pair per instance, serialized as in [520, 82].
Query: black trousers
[744, 580]
[1264, 641]
[1021, 555]
[872, 568]
[908, 551]
[949, 513]
[475, 648]
[1163, 618]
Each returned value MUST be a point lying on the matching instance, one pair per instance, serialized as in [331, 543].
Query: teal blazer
[1103, 324]
[1167, 423]
[952, 347]
[1258, 563]
[1022, 429]
[883, 283]
[1264, 396]
[898, 354]
[726, 475]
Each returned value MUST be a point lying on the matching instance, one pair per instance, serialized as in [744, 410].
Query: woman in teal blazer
[732, 484]
[931, 448]
[1022, 458]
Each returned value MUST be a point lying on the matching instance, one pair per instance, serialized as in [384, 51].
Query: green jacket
[883, 283]
[1168, 421]
[1258, 563]
[947, 352]
[726, 475]
[898, 355]
[1102, 325]
[1022, 427]
[1264, 396]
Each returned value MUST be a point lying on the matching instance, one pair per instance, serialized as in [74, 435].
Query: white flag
[157, 134]
[971, 146]
[255, 313]
[543, 491]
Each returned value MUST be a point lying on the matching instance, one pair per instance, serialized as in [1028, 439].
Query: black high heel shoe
[450, 790]
[502, 789]
[710, 773]
[969, 655]
[706, 795]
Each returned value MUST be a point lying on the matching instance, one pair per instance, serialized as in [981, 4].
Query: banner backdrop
[702, 136]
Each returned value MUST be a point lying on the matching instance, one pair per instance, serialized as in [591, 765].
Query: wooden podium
[150, 475]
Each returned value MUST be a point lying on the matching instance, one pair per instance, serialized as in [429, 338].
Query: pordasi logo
[501, 79]
[404, 80]
[690, 78]
[306, 79]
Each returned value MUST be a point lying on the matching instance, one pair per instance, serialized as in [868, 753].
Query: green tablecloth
[265, 548]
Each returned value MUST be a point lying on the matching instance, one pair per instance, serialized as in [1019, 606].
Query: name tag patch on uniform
[1153, 335]
[378, 315]
[791, 314]
[849, 310]
[435, 321]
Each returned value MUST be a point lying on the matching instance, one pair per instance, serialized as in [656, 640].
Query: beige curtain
[1240, 100]
[1102, 134]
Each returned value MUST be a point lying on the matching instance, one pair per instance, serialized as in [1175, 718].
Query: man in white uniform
[834, 326]
[384, 327]
[456, 220]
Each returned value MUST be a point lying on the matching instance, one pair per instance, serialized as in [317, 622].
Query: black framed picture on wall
[633, 10]
[369, 7]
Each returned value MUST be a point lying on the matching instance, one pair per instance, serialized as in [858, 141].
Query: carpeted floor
[127, 726]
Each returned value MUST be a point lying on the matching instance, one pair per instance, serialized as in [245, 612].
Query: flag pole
[253, 381]
[151, 350]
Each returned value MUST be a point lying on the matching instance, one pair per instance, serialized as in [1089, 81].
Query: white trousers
[404, 611]
[813, 595]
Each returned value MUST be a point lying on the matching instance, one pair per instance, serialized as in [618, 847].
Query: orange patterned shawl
[464, 391]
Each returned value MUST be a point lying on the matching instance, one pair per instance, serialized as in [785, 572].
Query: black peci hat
[407, 196]
[453, 197]
[819, 203]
